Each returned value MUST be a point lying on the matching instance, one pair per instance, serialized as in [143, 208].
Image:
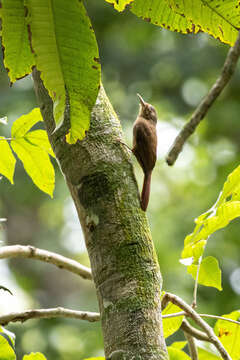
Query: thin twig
[191, 345]
[48, 314]
[183, 313]
[199, 335]
[200, 322]
[50, 257]
[220, 318]
[194, 303]
[202, 109]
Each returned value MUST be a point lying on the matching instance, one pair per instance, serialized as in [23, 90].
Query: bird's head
[147, 111]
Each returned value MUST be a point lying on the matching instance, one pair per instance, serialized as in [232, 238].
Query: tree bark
[124, 265]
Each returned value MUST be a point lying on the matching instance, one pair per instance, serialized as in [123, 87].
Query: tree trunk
[100, 177]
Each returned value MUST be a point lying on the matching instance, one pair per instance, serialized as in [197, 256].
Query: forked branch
[174, 299]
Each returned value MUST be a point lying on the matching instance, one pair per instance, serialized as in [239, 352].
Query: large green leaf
[209, 273]
[6, 350]
[67, 56]
[176, 354]
[218, 18]
[171, 325]
[229, 334]
[25, 122]
[120, 4]
[18, 58]
[7, 160]
[34, 356]
[36, 163]
[40, 138]
[158, 12]
[224, 214]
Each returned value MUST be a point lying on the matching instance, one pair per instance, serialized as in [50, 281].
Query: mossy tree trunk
[100, 177]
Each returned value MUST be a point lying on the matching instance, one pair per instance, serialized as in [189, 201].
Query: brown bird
[145, 145]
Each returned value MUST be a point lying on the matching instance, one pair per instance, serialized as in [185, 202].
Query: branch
[60, 261]
[192, 346]
[183, 313]
[199, 335]
[48, 314]
[202, 109]
[200, 322]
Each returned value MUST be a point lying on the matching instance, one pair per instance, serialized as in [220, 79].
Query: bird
[145, 145]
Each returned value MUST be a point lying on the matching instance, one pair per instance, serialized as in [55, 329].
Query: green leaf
[197, 240]
[229, 334]
[67, 56]
[23, 124]
[120, 4]
[231, 188]
[36, 163]
[6, 350]
[171, 325]
[34, 356]
[203, 354]
[176, 354]
[160, 13]
[40, 138]
[7, 160]
[10, 336]
[216, 17]
[18, 58]
[179, 344]
[96, 358]
[209, 274]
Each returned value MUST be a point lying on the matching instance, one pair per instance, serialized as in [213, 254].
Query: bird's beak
[142, 102]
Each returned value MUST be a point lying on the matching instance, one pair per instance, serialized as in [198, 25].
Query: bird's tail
[146, 191]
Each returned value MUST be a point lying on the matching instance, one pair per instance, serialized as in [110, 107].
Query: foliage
[171, 325]
[169, 15]
[229, 334]
[55, 55]
[226, 209]
[32, 148]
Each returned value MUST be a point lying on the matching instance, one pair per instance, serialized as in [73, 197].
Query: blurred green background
[173, 72]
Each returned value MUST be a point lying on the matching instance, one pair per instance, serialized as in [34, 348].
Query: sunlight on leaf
[120, 4]
[25, 122]
[7, 352]
[171, 325]
[34, 356]
[226, 209]
[179, 344]
[67, 56]
[213, 16]
[176, 354]
[204, 354]
[7, 160]
[40, 138]
[18, 58]
[160, 13]
[229, 334]
[36, 163]
[209, 274]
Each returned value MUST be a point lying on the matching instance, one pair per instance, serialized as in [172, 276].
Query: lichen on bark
[99, 174]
